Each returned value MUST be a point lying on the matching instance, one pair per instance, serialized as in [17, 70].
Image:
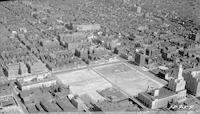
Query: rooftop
[35, 80]
[113, 94]
[88, 27]
[5, 90]
[163, 93]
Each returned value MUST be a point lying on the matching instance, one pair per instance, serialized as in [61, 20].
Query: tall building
[178, 83]
[141, 59]
[175, 91]
[193, 82]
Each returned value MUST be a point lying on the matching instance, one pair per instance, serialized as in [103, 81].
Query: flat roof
[5, 90]
[90, 27]
[115, 94]
[66, 105]
[35, 81]
[32, 109]
[163, 93]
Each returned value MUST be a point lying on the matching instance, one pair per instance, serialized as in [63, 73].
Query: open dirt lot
[127, 78]
[84, 82]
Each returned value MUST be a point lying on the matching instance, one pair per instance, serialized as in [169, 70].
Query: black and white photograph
[99, 56]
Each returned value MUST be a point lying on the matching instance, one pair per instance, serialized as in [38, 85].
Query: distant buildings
[72, 41]
[13, 70]
[16, 70]
[42, 34]
[50, 44]
[96, 53]
[36, 67]
[21, 69]
[92, 53]
[175, 91]
[111, 44]
[89, 27]
[195, 37]
[152, 52]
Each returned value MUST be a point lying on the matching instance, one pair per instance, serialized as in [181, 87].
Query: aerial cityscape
[99, 56]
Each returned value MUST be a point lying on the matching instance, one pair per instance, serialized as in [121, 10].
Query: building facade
[193, 82]
[175, 91]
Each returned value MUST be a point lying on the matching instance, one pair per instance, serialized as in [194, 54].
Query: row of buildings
[21, 69]
[46, 99]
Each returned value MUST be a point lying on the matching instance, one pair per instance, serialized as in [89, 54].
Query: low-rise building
[6, 96]
[78, 103]
[40, 80]
[5, 92]
[54, 44]
[12, 70]
[36, 67]
[23, 70]
[16, 70]
[175, 91]
[88, 27]
[47, 99]
[150, 51]
[72, 41]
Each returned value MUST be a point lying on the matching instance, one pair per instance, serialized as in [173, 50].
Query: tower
[177, 83]
[180, 72]
[140, 59]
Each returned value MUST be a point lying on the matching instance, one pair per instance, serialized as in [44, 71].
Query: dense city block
[99, 55]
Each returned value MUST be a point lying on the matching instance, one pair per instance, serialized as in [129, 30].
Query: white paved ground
[128, 78]
[84, 82]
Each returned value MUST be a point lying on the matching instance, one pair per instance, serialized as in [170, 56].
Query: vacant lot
[127, 78]
[84, 82]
